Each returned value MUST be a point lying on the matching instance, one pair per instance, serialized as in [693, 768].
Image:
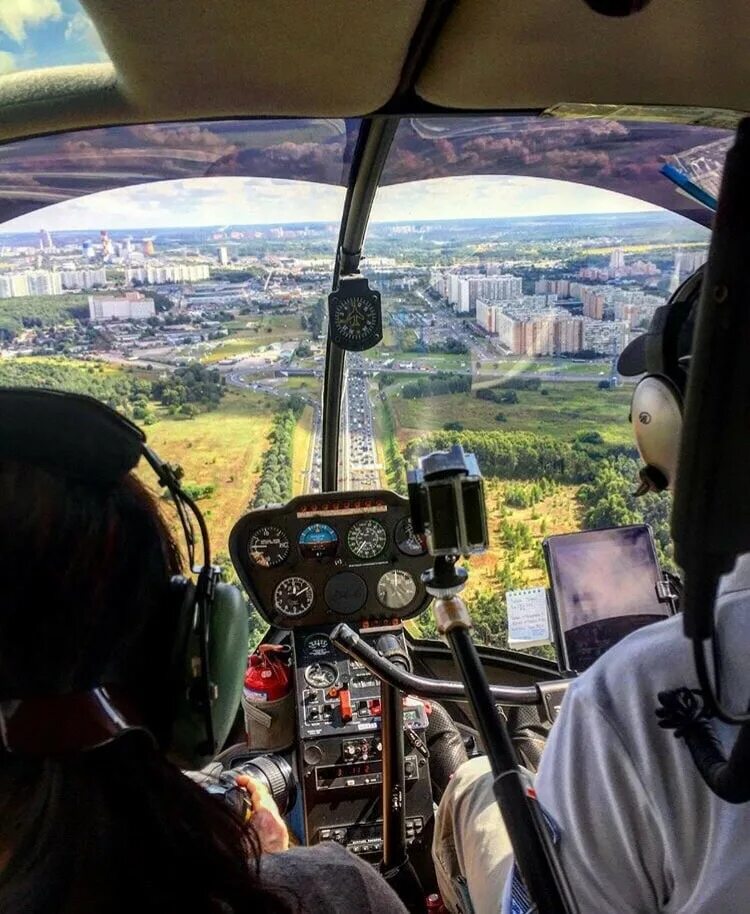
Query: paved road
[359, 467]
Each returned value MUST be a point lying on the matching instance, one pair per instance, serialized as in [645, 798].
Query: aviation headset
[657, 405]
[84, 439]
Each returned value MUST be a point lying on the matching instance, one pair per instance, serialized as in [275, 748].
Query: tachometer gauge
[409, 542]
[293, 597]
[396, 589]
[318, 541]
[268, 546]
[321, 675]
[367, 538]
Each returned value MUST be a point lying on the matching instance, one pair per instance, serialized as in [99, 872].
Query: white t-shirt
[641, 832]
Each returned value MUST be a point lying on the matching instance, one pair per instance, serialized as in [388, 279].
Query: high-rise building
[32, 282]
[131, 306]
[617, 261]
[222, 256]
[44, 282]
[148, 247]
[45, 240]
[593, 303]
[106, 244]
[13, 285]
[83, 279]
[674, 281]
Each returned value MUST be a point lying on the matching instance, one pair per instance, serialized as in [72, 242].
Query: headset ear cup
[656, 417]
[228, 633]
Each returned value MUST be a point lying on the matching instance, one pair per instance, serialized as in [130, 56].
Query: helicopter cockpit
[324, 278]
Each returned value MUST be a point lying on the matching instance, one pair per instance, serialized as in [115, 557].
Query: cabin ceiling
[190, 59]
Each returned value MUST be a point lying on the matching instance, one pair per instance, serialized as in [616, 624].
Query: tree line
[436, 386]
[184, 392]
[275, 483]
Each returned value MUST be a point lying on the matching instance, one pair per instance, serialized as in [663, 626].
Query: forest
[19, 314]
[184, 393]
[436, 386]
[275, 483]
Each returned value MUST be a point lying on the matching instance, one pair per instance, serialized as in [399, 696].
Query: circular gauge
[409, 542]
[318, 541]
[396, 589]
[293, 597]
[346, 593]
[355, 320]
[321, 675]
[366, 538]
[268, 546]
[317, 646]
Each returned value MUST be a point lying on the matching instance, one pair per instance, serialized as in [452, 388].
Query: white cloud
[193, 202]
[497, 196]
[80, 30]
[16, 15]
[7, 63]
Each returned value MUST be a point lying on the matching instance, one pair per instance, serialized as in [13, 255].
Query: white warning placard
[528, 617]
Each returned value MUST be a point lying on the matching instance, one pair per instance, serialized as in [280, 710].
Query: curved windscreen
[506, 301]
[196, 308]
[640, 158]
[50, 169]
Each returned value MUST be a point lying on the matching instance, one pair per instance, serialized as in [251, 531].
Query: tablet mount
[446, 495]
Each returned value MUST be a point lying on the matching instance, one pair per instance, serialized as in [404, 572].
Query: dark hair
[117, 828]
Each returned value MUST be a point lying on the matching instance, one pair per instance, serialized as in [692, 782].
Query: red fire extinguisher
[268, 699]
[267, 677]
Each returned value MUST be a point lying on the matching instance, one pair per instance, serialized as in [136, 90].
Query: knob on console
[313, 754]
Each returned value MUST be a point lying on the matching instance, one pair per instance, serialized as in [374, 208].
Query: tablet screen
[603, 587]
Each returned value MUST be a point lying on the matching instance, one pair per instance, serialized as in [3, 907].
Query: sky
[46, 33]
[258, 201]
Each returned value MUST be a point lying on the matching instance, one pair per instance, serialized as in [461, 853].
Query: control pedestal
[339, 720]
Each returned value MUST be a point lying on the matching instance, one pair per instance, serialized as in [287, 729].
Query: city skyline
[211, 202]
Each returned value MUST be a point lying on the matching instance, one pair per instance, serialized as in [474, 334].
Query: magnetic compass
[354, 317]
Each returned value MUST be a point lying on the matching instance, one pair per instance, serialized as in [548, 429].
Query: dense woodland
[535, 465]
[185, 392]
[436, 386]
[19, 314]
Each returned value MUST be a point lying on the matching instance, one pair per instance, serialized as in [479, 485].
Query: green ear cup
[228, 633]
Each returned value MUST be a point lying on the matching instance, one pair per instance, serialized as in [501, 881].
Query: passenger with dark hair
[120, 828]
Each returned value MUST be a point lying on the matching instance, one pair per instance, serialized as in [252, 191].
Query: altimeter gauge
[367, 538]
[354, 315]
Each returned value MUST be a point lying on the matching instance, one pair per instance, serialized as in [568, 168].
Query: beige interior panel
[534, 53]
[283, 57]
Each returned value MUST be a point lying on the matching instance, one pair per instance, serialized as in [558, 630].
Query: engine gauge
[396, 589]
[318, 646]
[318, 541]
[367, 538]
[321, 675]
[268, 546]
[409, 542]
[293, 597]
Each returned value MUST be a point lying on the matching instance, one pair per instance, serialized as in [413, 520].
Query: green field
[567, 409]
[222, 448]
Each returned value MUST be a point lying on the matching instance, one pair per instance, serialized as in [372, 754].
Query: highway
[358, 462]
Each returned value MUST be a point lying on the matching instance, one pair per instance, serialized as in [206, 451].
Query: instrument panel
[325, 557]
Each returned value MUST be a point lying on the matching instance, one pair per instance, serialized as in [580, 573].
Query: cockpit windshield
[180, 272]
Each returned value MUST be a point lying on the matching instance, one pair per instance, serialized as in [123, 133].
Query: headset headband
[62, 724]
[87, 441]
[71, 433]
